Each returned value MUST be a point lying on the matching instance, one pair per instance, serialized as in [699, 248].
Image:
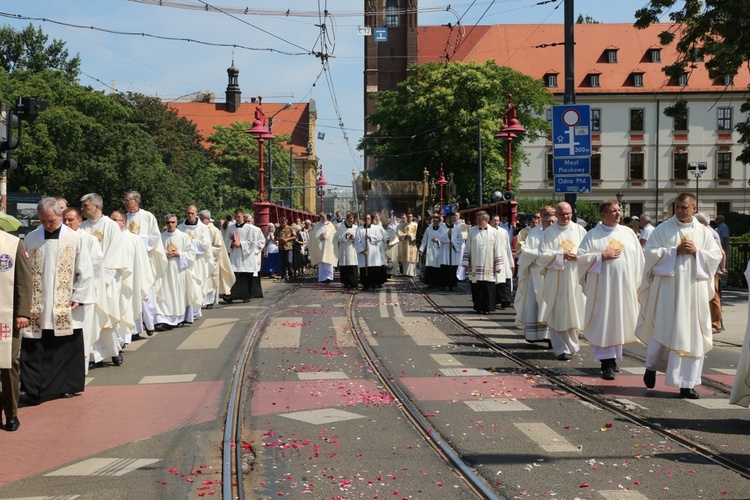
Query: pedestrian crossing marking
[368, 333]
[549, 440]
[322, 416]
[210, 335]
[630, 405]
[104, 467]
[87, 380]
[397, 311]
[446, 360]
[282, 332]
[466, 372]
[498, 404]
[634, 370]
[322, 375]
[168, 379]
[726, 371]
[342, 327]
[715, 404]
[423, 332]
[56, 497]
[382, 304]
[622, 495]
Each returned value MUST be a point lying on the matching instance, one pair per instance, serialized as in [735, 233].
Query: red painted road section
[101, 418]
[465, 388]
[631, 386]
[283, 397]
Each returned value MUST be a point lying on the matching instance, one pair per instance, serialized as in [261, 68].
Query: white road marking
[344, 337]
[104, 467]
[423, 332]
[466, 372]
[622, 495]
[498, 404]
[321, 375]
[168, 379]
[446, 360]
[715, 404]
[210, 335]
[367, 333]
[397, 312]
[634, 370]
[546, 438]
[726, 371]
[322, 416]
[630, 405]
[282, 332]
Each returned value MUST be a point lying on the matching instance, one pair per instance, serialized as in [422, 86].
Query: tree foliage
[714, 31]
[438, 115]
[27, 50]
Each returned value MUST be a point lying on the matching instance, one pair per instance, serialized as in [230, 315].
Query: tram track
[573, 387]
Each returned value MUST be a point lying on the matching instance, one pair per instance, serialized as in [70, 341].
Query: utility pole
[479, 164]
[570, 92]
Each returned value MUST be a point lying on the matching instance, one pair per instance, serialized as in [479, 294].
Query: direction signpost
[571, 151]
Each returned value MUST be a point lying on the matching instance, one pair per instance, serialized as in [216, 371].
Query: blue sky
[175, 68]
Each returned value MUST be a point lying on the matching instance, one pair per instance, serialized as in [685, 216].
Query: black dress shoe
[117, 360]
[245, 301]
[12, 424]
[565, 357]
[608, 373]
[649, 378]
[149, 332]
[29, 399]
[209, 306]
[92, 365]
[162, 327]
[67, 395]
[227, 300]
[689, 394]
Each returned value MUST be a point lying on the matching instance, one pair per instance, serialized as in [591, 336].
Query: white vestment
[347, 254]
[203, 267]
[181, 293]
[430, 247]
[740, 395]
[135, 287]
[611, 287]
[674, 319]
[391, 242]
[143, 223]
[529, 300]
[247, 257]
[565, 302]
[485, 256]
[451, 245]
[222, 277]
[408, 254]
[369, 238]
[94, 313]
[322, 246]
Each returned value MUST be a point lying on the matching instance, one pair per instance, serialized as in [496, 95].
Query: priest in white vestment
[222, 277]
[95, 312]
[485, 261]
[245, 242]
[678, 282]
[529, 300]
[202, 268]
[430, 248]
[610, 268]
[563, 295]
[52, 349]
[138, 285]
[366, 241]
[347, 254]
[408, 253]
[391, 242]
[111, 337]
[740, 394]
[182, 296]
[144, 224]
[322, 247]
[451, 251]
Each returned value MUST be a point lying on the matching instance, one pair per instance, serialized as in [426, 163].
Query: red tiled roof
[207, 115]
[514, 45]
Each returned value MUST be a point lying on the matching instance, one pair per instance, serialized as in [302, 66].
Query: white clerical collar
[685, 224]
[607, 228]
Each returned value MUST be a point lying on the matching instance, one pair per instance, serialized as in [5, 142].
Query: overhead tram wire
[148, 35]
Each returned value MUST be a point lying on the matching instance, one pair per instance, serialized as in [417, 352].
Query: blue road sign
[573, 184]
[381, 34]
[571, 166]
[571, 130]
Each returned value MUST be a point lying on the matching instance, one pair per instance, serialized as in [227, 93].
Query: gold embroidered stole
[8, 249]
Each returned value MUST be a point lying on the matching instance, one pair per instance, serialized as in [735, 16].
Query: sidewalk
[734, 311]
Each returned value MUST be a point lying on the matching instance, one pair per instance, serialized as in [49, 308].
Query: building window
[550, 166]
[636, 166]
[679, 166]
[725, 119]
[637, 80]
[391, 13]
[596, 166]
[551, 80]
[723, 207]
[681, 122]
[635, 208]
[636, 120]
[549, 115]
[594, 80]
[729, 81]
[682, 80]
[655, 55]
[612, 56]
[596, 120]
[724, 166]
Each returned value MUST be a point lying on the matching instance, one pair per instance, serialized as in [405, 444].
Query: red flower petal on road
[585, 485]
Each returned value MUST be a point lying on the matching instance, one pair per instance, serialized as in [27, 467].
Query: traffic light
[8, 142]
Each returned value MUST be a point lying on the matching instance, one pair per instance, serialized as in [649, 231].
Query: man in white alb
[182, 296]
[202, 268]
[347, 254]
[322, 247]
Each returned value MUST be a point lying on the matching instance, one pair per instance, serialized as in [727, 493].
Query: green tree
[436, 117]
[586, 20]
[28, 50]
[714, 31]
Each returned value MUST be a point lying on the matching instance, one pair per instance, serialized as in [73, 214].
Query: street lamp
[425, 189]
[321, 191]
[512, 128]
[270, 151]
[697, 168]
[261, 133]
[366, 186]
[441, 182]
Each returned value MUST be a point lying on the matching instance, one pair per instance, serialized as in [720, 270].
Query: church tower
[389, 50]
[233, 93]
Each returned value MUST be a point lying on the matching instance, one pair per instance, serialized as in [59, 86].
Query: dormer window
[594, 80]
[682, 80]
[729, 81]
[550, 79]
[637, 77]
[611, 55]
[655, 55]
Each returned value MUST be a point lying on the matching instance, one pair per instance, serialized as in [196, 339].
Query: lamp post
[441, 182]
[512, 128]
[425, 190]
[451, 190]
[366, 186]
[697, 168]
[433, 194]
[321, 185]
[261, 133]
[270, 151]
